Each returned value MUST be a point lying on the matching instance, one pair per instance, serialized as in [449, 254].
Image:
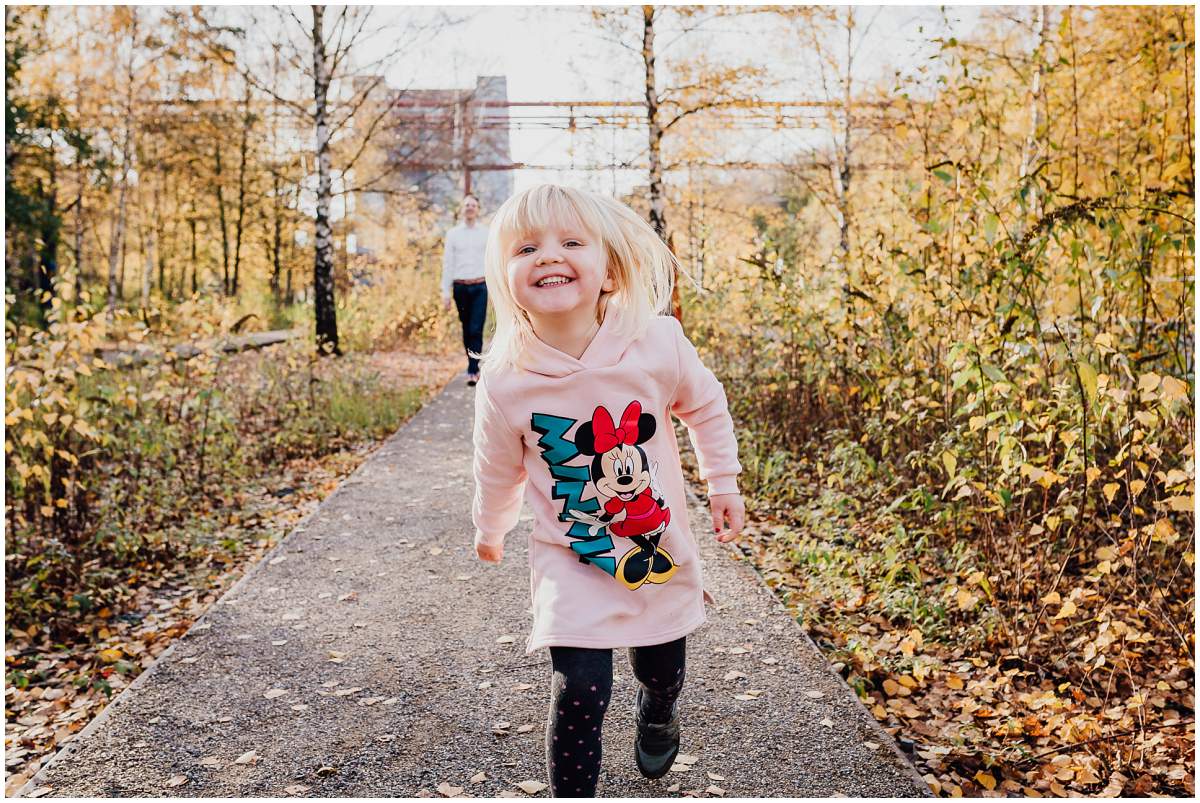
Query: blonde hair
[639, 262]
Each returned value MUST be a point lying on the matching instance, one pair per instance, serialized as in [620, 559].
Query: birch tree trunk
[658, 216]
[239, 226]
[323, 300]
[1029, 149]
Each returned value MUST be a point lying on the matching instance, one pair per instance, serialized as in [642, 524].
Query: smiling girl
[574, 413]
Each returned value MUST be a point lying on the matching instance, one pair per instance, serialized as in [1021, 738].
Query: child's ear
[610, 283]
[585, 439]
[646, 427]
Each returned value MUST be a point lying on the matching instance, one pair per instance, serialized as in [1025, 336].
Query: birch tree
[333, 88]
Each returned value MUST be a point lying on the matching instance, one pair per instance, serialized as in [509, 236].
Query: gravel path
[370, 654]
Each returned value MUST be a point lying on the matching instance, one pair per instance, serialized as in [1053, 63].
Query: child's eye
[526, 249]
[572, 243]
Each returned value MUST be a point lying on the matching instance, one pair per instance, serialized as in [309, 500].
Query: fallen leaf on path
[350, 596]
[673, 787]
[347, 692]
[487, 684]
[462, 578]
[479, 777]
[435, 550]
[871, 745]
[827, 722]
[677, 767]
[296, 789]
[712, 776]
[770, 661]
[326, 771]
[813, 693]
[715, 790]
[506, 639]
[445, 789]
[531, 787]
[684, 758]
[525, 728]
[739, 651]
[210, 761]
[249, 757]
[279, 642]
[523, 687]
[277, 561]
[273, 693]
[370, 700]
[177, 780]
[733, 674]
[336, 657]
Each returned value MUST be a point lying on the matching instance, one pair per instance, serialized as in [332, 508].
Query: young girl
[577, 392]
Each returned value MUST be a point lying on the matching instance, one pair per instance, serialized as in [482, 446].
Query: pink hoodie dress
[589, 443]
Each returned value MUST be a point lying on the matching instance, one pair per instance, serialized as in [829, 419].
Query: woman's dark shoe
[656, 745]
[472, 379]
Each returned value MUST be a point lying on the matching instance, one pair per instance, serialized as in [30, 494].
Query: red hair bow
[607, 436]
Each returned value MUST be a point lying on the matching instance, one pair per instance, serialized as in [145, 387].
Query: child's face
[558, 272]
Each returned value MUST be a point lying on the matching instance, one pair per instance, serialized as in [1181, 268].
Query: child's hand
[487, 552]
[727, 509]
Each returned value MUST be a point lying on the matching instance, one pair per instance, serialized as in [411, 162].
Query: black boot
[656, 744]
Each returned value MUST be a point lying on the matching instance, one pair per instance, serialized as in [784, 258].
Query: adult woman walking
[463, 282]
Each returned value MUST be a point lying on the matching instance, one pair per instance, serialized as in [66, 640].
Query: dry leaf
[684, 758]
[506, 640]
[177, 780]
[733, 674]
[273, 693]
[249, 757]
[814, 694]
[525, 728]
[446, 790]
[531, 787]
[715, 790]
[712, 776]
[479, 777]
[296, 789]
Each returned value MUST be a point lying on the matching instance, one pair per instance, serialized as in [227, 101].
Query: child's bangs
[542, 208]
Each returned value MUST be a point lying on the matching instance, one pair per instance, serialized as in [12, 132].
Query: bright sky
[559, 53]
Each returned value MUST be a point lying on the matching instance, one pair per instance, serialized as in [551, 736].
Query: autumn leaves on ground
[962, 381]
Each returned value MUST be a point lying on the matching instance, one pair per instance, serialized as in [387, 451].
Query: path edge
[735, 555]
[69, 749]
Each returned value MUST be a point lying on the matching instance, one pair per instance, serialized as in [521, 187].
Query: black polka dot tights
[580, 691]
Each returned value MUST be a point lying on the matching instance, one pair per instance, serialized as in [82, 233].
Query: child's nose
[549, 255]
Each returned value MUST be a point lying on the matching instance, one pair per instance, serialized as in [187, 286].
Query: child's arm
[699, 402]
[499, 477]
